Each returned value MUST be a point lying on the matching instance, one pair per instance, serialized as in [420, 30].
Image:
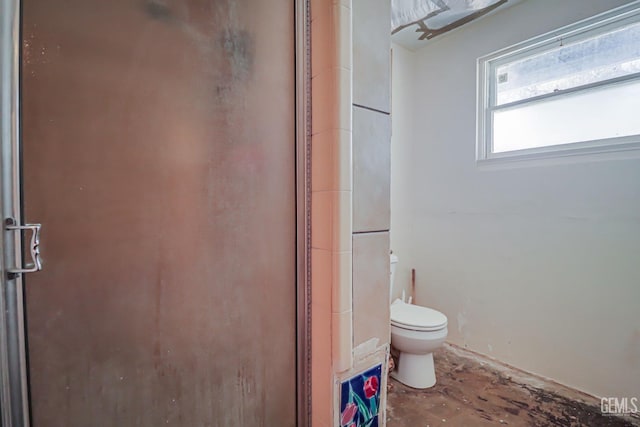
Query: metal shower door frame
[303, 208]
[13, 364]
[14, 395]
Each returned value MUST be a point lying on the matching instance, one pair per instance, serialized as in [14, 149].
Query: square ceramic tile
[343, 160]
[321, 219]
[323, 42]
[321, 386]
[321, 367]
[344, 44]
[360, 399]
[331, 100]
[321, 277]
[324, 101]
[371, 170]
[321, 331]
[341, 283]
[331, 40]
[342, 221]
[322, 161]
[371, 274]
[342, 333]
[345, 84]
[318, 8]
[331, 220]
[331, 155]
[372, 53]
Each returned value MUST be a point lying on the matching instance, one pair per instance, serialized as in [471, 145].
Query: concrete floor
[473, 391]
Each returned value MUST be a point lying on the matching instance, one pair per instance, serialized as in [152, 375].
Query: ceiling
[415, 22]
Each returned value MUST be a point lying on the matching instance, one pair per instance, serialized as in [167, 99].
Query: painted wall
[537, 266]
[404, 76]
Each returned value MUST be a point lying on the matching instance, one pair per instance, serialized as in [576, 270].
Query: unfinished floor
[475, 392]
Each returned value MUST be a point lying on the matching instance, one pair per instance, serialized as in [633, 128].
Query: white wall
[403, 82]
[537, 266]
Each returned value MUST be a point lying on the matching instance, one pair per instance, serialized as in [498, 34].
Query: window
[572, 91]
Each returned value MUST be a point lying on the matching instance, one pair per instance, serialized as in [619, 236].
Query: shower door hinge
[11, 225]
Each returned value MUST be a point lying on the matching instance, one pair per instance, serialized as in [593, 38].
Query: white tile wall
[331, 169]
[371, 170]
[371, 288]
[371, 58]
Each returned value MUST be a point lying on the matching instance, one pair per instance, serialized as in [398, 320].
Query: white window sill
[591, 151]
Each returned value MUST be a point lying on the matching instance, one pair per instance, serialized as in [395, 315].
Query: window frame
[486, 89]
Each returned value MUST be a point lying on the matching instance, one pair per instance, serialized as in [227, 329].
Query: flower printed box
[360, 399]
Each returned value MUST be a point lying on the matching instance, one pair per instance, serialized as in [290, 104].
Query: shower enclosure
[153, 157]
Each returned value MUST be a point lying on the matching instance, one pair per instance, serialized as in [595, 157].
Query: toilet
[416, 332]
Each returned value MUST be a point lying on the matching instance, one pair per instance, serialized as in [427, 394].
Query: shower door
[158, 142]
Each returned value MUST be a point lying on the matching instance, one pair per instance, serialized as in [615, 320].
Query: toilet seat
[416, 318]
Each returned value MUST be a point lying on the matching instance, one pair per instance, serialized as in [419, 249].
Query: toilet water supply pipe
[413, 286]
[412, 295]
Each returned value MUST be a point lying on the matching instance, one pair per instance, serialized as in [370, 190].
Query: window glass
[603, 57]
[603, 112]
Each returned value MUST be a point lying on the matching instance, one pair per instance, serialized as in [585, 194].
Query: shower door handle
[34, 247]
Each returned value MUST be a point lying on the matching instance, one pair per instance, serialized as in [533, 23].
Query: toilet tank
[394, 262]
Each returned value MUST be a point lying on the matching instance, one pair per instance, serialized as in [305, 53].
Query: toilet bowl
[416, 332]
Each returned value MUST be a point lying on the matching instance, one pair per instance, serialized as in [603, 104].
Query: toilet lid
[410, 316]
